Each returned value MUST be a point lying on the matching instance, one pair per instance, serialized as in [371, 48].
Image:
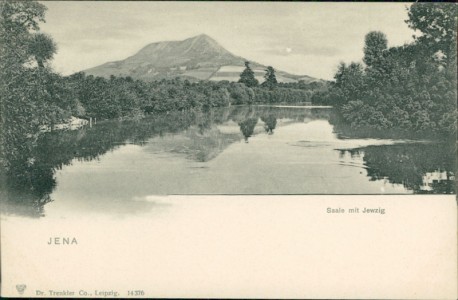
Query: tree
[29, 97]
[271, 79]
[42, 48]
[437, 23]
[375, 44]
[17, 20]
[247, 76]
[350, 81]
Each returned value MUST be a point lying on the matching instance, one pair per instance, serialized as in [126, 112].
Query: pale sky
[304, 38]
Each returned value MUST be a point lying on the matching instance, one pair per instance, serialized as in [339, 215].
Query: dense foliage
[411, 87]
[31, 95]
[125, 98]
[270, 78]
[247, 76]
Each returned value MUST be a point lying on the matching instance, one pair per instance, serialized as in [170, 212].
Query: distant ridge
[196, 58]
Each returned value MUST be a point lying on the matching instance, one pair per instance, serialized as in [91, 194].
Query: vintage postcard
[228, 149]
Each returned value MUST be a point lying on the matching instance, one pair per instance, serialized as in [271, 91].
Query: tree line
[126, 98]
[32, 95]
[410, 87]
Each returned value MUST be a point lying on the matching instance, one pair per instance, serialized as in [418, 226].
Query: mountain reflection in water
[236, 150]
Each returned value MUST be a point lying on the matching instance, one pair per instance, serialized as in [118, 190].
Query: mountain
[196, 58]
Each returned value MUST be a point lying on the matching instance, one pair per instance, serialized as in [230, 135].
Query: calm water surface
[113, 166]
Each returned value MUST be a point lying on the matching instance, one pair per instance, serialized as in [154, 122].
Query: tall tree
[247, 76]
[375, 44]
[27, 95]
[271, 79]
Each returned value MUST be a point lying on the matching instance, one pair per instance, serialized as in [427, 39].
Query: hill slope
[196, 58]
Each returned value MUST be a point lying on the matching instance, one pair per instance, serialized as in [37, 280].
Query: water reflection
[426, 164]
[29, 180]
[247, 127]
[270, 122]
[27, 197]
[422, 168]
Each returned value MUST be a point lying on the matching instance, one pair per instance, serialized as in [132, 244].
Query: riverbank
[72, 123]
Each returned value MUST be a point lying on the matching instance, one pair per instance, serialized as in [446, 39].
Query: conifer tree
[271, 79]
[247, 76]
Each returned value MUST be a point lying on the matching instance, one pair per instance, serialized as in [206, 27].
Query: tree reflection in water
[29, 177]
[247, 127]
[422, 168]
[270, 122]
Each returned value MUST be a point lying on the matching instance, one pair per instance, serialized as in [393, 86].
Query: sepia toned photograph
[173, 141]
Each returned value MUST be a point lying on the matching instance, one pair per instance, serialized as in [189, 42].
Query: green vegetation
[411, 87]
[33, 96]
[125, 98]
[270, 79]
[247, 76]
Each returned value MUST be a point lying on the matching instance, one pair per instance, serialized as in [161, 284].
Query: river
[113, 166]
